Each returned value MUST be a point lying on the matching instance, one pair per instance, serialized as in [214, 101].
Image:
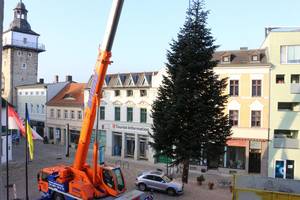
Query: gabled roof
[72, 95]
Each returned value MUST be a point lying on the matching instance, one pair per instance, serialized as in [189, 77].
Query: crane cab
[114, 180]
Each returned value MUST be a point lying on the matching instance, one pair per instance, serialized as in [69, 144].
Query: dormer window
[254, 58]
[225, 59]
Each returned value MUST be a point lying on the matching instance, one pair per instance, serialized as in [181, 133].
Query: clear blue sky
[73, 30]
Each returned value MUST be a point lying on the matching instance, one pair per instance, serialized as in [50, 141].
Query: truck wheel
[142, 187]
[58, 196]
[171, 191]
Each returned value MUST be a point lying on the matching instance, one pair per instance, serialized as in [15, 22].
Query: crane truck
[81, 180]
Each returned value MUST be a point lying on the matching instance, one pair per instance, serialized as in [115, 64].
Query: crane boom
[98, 79]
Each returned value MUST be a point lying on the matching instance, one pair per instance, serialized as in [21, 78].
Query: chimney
[68, 78]
[243, 48]
[56, 79]
[41, 81]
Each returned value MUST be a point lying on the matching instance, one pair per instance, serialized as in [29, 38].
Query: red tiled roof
[70, 96]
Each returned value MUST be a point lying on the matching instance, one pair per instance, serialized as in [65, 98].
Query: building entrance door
[254, 162]
[117, 144]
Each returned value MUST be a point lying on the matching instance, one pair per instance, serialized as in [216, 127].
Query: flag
[29, 134]
[15, 122]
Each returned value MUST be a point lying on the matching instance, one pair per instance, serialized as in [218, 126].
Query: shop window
[143, 115]
[235, 157]
[234, 88]
[255, 118]
[130, 145]
[129, 114]
[102, 113]
[117, 113]
[234, 117]
[280, 78]
[280, 133]
[256, 88]
[143, 147]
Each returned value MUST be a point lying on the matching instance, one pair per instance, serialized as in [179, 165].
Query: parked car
[157, 180]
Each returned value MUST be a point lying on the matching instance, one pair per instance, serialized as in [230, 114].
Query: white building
[36, 96]
[125, 114]
[3, 135]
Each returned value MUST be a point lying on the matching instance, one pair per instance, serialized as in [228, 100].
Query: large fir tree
[188, 115]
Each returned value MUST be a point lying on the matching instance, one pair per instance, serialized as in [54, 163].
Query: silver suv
[157, 180]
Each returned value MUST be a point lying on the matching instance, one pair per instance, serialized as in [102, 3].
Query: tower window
[25, 40]
[19, 53]
[23, 66]
[29, 54]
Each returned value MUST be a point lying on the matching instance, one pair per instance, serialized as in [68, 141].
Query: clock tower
[20, 54]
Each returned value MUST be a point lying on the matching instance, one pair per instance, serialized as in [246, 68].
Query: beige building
[248, 88]
[65, 108]
[20, 54]
[283, 51]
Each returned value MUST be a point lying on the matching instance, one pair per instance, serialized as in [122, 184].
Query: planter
[200, 179]
[211, 185]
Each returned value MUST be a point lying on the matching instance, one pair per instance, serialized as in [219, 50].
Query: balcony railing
[25, 44]
[295, 88]
[286, 143]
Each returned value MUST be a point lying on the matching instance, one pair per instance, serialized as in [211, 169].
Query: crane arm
[98, 79]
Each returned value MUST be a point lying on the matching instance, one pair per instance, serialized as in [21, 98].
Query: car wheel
[171, 191]
[142, 187]
[58, 196]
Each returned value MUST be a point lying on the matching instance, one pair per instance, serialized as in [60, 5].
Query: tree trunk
[185, 171]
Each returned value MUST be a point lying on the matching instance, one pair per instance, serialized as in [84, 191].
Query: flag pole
[7, 175]
[26, 153]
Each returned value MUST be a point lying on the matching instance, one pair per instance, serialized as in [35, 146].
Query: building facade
[65, 108]
[248, 88]
[20, 54]
[124, 119]
[283, 51]
[36, 96]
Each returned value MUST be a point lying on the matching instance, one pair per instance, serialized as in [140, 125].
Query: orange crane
[82, 181]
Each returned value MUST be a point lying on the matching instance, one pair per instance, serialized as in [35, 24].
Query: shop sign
[128, 127]
[255, 144]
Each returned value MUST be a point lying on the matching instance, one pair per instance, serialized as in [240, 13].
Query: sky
[72, 30]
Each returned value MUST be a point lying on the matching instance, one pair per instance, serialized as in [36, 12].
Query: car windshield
[166, 179]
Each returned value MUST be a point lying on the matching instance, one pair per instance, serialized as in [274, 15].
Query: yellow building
[283, 51]
[248, 86]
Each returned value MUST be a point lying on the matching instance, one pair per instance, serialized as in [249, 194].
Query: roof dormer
[255, 57]
[226, 58]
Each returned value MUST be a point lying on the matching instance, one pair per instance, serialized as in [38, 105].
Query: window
[79, 114]
[25, 40]
[31, 108]
[129, 114]
[23, 66]
[255, 118]
[288, 106]
[42, 93]
[235, 157]
[102, 113]
[66, 114]
[290, 54]
[143, 115]
[117, 93]
[29, 54]
[225, 59]
[254, 58]
[280, 78]
[31, 93]
[234, 117]
[72, 114]
[37, 93]
[43, 108]
[37, 108]
[143, 93]
[19, 53]
[295, 78]
[281, 133]
[129, 93]
[256, 88]
[117, 113]
[52, 112]
[58, 114]
[20, 93]
[234, 88]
